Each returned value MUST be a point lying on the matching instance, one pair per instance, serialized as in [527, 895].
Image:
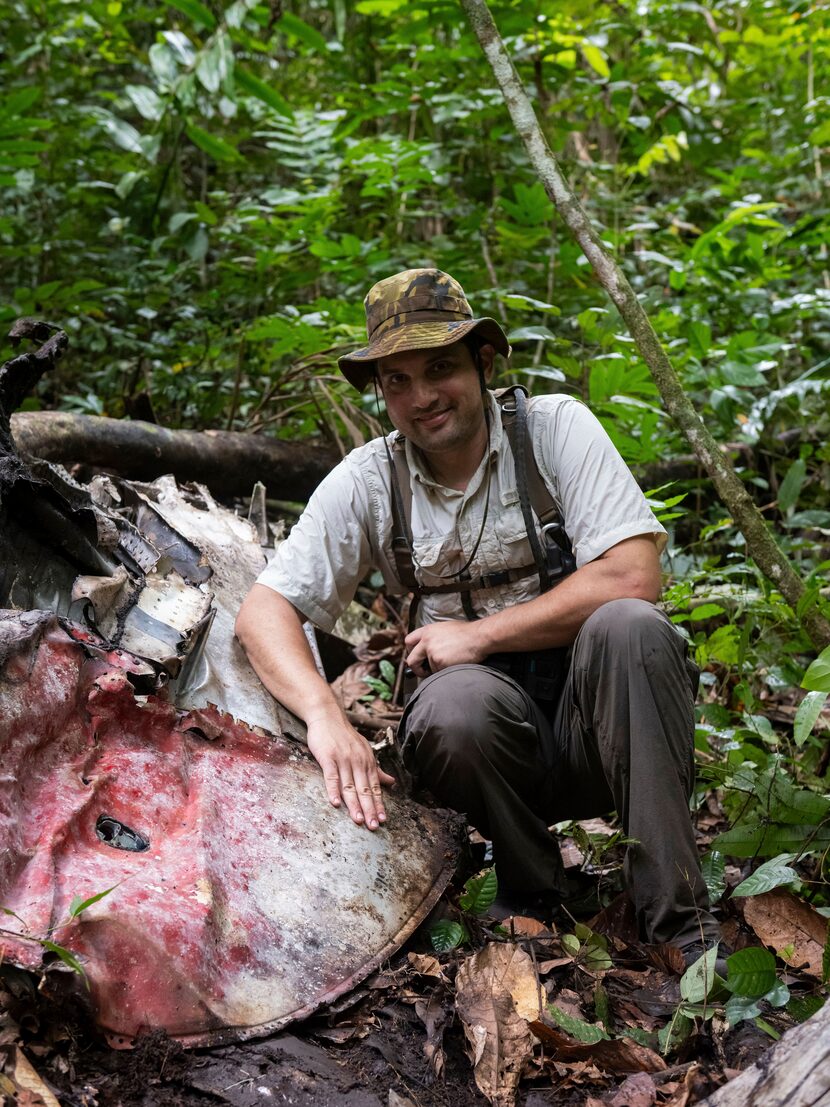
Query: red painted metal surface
[255, 902]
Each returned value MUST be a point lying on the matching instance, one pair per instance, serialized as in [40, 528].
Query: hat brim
[359, 366]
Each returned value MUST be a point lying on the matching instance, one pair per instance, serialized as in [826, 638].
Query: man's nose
[424, 393]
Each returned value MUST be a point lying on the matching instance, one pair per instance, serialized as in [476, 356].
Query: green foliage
[382, 687]
[202, 195]
[817, 677]
[587, 1032]
[712, 866]
[479, 893]
[772, 874]
[446, 935]
[588, 949]
[78, 905]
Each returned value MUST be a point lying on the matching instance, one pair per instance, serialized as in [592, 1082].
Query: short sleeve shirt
[346, 530]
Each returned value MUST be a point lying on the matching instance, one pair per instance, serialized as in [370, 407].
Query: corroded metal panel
[250, 900]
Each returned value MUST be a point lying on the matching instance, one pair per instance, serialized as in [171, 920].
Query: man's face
[433, 397]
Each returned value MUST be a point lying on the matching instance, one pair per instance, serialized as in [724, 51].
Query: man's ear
[487, 354]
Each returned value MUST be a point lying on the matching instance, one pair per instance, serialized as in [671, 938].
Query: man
[618, 734]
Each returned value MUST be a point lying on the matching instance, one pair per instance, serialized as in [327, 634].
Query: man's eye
[396, 380]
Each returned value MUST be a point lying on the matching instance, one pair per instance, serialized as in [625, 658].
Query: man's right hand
[350, 770]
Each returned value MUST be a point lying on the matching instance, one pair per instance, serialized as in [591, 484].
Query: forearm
[555, 618]
[270, 631]
[629, 570]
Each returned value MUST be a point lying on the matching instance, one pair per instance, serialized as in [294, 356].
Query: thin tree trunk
[227, 462]
[760, 541]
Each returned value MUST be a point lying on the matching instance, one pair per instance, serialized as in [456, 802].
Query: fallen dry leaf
[687, 1092]
[497, 994]
[29, 1084]
[350, 685]
[618, 1055]
[781, 919]
[557, 963]
[434, 1013]
[519, 926]
[426, 965]
[397, 1100]
[638, 1090]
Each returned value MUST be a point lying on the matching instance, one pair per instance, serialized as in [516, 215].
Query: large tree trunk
[761, 543]
[227, 462]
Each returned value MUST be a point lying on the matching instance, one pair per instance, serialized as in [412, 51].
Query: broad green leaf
[253, 86]
[740, 1007]
[20, 101]
[791, 485]
[217, 148]
[527, 303]
[778, 995]
[479, 892]
[797, 805]
[645, 1038]
[700, 339]
[675, 1032]
[163, 64]
[195, 11]
[121, 132]
[66, 956]
[751, 972]
[179, 219]
[388, 671]
[697, 981]
[807, 716]
[817, 677]
[214, 64]
[587, 1032]
[767, 840]
[712, 866]
[301, 30]
[446, 935]
[531, 334]
[146, 101]
[79, 905]
[772, 874]
[596, 59]
[802, 1008]
[706, 611]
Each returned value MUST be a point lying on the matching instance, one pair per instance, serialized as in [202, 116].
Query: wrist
[485, 636]
[324, 709]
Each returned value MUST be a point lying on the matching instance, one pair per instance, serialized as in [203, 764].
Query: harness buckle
[560, 561]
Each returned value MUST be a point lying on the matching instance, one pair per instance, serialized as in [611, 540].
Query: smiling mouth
[435, 418]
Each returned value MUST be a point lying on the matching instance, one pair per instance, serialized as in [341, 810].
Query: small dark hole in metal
[119, 835]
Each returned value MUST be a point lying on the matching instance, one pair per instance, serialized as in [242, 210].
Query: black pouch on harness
[541, 673]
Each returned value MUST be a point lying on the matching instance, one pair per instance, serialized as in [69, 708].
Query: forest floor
[398, 1040]
[572, 1009]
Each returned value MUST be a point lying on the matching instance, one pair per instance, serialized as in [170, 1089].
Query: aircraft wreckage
[140, 754]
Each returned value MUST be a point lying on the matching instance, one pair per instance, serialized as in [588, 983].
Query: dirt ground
[373, 1048]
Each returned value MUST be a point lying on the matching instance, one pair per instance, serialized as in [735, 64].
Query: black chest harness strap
[552, 555]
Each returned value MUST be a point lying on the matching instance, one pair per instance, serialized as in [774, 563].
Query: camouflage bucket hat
[418, 309]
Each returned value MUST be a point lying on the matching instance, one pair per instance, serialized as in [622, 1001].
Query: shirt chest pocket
[511, 537]
[437, 555]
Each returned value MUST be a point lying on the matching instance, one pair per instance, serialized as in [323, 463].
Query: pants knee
[455, 715]
[624, 619]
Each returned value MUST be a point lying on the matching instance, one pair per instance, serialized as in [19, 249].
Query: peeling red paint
[255, 901]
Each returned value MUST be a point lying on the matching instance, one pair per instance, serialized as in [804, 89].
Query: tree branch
[761, 543]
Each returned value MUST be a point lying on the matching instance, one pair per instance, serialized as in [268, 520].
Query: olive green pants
[620, 737]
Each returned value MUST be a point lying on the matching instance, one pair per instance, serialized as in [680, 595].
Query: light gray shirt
[346, 530]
